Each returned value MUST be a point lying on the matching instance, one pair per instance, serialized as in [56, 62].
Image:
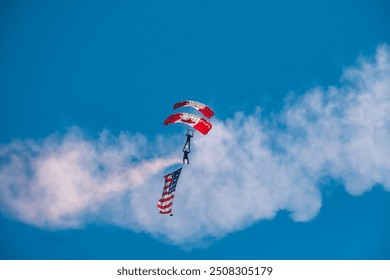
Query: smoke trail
[54, 182]
[247, 169]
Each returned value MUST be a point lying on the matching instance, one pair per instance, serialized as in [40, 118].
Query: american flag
[166, 200]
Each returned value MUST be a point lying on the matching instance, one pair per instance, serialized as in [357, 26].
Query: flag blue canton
[175, 178]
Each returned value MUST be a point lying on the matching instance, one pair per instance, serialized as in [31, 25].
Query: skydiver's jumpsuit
[185, 156]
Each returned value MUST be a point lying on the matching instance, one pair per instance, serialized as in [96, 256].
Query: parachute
[198, 123]
[204, 109]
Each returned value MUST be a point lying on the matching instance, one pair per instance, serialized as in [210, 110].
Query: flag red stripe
[162, 200]
[166, 212]
[165, 205]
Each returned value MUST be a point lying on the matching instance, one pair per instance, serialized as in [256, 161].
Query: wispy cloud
[247, 169]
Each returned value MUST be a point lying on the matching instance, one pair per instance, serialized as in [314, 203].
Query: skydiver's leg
[185, 145]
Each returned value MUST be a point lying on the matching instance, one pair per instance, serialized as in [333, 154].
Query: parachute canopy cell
[194, 121]
[204, 109]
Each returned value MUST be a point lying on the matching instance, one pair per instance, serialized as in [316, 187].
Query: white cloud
[247, 169]
[344, 132]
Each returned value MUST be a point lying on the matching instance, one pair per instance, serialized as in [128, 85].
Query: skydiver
[188, 142]
[185, 156]
[187, 147]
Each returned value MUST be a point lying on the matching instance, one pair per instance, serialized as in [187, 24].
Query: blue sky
[313, 177]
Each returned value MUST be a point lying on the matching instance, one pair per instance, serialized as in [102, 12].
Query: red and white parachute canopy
[204, 109]
[198, 123]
